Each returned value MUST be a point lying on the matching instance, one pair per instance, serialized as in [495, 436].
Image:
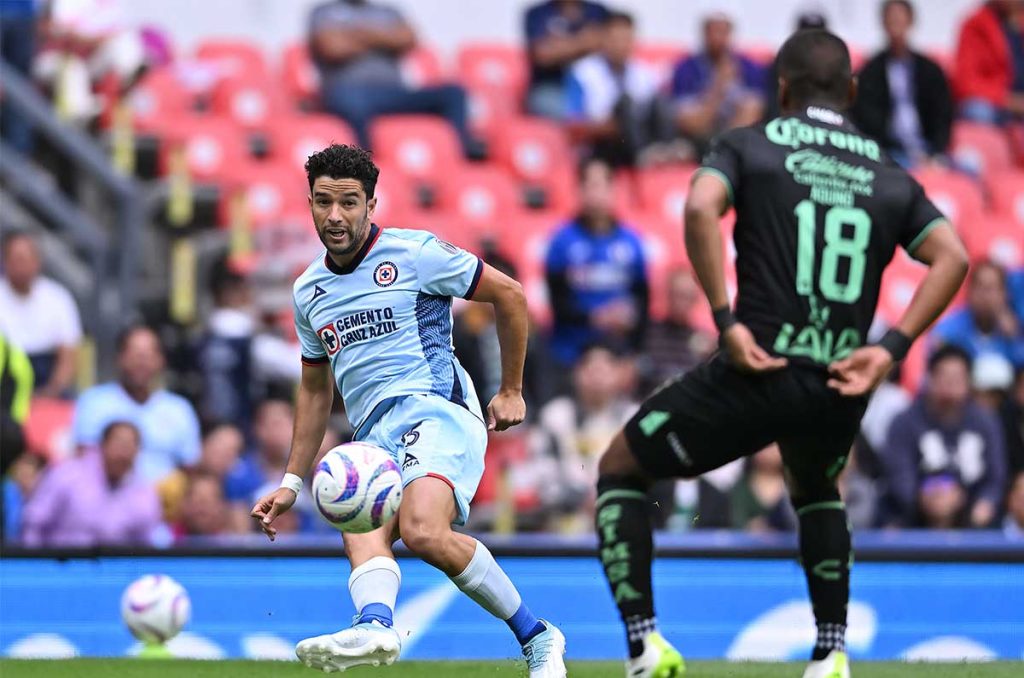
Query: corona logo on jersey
[794, 132]
[357, 328]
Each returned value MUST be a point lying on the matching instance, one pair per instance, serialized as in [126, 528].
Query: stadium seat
[234, 57]
[396, 199]
[299, 75]
[48, 428]
[421, 67]
[485, 65]
[271, 191]
[213, 146]
[999, 238]
[525, 240]
[944, 58]
[980, 148]
[160, 95]
[660, 56]
[490, 110]
[292, 139]
[664, 191]
[763, 55]
[538, 154]
[899, 281]
[955, 194]
[421, 146]
[253, 101]
[1006, 192]
[482, 196]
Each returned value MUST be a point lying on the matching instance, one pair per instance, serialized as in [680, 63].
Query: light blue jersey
[384, 322]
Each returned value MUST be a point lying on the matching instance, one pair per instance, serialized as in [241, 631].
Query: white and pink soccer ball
[155, 608]
[357, 487]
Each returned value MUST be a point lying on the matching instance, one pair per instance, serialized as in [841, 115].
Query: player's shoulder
[405, 237]
[742, 138]
[310, 275]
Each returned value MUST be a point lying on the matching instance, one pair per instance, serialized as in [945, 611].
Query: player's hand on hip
[745, 354]
[271, 506]
[860, 372]
[506, 410]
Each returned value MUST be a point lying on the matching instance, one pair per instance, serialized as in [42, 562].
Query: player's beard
[356, 235]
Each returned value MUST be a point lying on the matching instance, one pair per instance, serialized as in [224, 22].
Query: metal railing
[112, 251]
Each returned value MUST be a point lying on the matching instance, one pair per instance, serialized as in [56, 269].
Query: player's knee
[618, 460]
[361, 547]
[423, 536]
[814, 490]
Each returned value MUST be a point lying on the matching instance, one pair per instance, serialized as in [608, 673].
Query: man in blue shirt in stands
[596, 273]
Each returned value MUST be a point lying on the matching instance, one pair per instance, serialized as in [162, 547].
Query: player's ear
[851, 95]
[783, 93]
[371, 205]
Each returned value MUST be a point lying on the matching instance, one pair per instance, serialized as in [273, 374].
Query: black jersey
[820, 210]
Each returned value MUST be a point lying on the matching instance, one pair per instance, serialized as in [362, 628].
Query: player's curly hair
[339, 161]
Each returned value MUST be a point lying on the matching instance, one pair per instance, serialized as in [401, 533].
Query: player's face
[341, 214]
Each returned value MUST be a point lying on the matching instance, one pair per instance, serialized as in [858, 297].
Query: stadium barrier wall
[258, 605]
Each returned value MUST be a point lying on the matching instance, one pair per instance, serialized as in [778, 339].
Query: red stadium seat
[233, 57]
[899, 281]
[396, 198]
[421, 146]
[762, 54]
[481, 65]
[48, 428]
[955, 194]
[664, 191]
[981, 148]
[292, 139]
[482, 196]
[299, 74]
[253, 101]
[212, 146]
[421, 67]
[1006, 191]
[662, 57]
[1000, 239]
[160, 95]
[525, 240]
[944, 58]
[271, 191]
[533, 149]
[490, 110]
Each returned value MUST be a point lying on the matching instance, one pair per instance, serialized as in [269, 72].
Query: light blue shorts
[431, 436]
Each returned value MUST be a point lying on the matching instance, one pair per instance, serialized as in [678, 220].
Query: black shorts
[715, 414]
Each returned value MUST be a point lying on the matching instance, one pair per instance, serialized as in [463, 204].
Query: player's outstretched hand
[271, 506]
[860, 372]
[745, 354]
[506, 410]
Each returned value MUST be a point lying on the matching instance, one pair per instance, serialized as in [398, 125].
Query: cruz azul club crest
[385, 274]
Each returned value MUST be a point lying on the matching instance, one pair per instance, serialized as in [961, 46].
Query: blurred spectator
[988, 77]
[596, 273]
[991, 379]
[19, 481]
[1012, 416]
[673, 345]
[203, 510]
[987, 324]
[718, 88]
[222, 448]
[17, 48]
[859, 491]
[1014, 523]
[903, 99]
[86, 41]
[265, 463]
[805, 21]
[888, 401]
[357, 46]
[573, 431]
[1015, 284]
[558, 32]
[611, 96]
[169, 426]
[475, 336]
[95, 499]
[39, 316]
[945, 458]
[760, 502]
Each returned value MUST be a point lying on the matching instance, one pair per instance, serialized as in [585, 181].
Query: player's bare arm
[507, 408]
[312, 409]
[864, 369]
[707, 201]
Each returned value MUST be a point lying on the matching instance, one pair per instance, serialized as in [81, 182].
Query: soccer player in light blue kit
[376, 309]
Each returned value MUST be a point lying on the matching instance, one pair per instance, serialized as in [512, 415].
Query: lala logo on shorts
[385, 274]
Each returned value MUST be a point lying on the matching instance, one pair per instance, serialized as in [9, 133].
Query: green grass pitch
[136, 668]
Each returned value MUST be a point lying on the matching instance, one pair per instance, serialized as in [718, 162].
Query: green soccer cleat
[155, 651]
[835, 665]
[659, 660]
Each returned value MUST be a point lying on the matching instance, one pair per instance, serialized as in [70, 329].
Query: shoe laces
[537, 651]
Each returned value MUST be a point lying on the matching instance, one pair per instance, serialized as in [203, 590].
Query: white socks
[484, 581]
[375, 581]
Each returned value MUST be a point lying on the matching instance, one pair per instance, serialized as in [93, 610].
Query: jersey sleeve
[723, 162]
[922, 217]
[312, 350]
[446, 270]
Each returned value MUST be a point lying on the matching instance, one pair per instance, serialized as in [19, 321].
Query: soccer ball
[154, 608]
[357, 487]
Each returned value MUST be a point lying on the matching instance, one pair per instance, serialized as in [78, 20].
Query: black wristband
[896, 343]
[724, 319]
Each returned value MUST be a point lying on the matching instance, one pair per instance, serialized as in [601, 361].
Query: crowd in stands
[564, 162]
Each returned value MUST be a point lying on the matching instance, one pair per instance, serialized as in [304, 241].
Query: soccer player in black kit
[820, 211]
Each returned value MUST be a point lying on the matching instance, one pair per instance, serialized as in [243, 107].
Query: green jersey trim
[720, 176]
[932, 225]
